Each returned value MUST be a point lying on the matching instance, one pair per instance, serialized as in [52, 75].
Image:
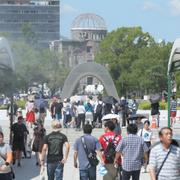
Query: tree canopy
[37, 65]
[136, 62]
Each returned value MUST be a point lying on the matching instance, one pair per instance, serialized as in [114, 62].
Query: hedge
[147, 105]
[20, 103]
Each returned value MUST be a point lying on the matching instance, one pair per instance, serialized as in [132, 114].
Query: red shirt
[109, 137]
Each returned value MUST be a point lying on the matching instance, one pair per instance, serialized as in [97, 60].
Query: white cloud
[175, 7]
[149, 6]
[67, 9]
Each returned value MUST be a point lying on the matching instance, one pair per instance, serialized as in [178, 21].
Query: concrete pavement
[29, 171]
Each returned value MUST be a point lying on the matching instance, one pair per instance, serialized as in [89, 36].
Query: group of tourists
[116, 157]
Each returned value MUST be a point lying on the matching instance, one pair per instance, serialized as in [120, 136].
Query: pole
[11, 105]
[169, 99]
[11, 117]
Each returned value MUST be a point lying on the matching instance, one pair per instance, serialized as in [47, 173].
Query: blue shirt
[92, 144]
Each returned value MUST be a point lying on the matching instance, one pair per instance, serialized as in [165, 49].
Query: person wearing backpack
[109, 142]
[54, 143]
[133, 149]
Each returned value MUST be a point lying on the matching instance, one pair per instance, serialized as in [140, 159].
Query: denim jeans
[126, 175]
[55, 171]
[88, 174]
[58, 116]
[6, 176]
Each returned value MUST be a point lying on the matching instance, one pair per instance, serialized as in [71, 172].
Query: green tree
[40, 66]
[135, 61]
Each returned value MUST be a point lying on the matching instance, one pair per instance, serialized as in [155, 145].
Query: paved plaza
[29, 171]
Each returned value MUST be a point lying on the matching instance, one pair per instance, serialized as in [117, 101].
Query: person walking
[146, 134]
[98, 106]
[30, 114]
[155, 112]
[14, 109]
[109, 142]
[164, 162]
[173, 109]
[124, 110]
[39, 133]
[81, 115]
[87, 171]
[52, 107]
[89, 112]
[53, 145]
[5, 159]
[19, 131]
[132, 149]
[58, 109]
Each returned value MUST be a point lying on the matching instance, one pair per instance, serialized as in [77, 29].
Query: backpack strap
[159, 170]
[112, 139]
[141, 132]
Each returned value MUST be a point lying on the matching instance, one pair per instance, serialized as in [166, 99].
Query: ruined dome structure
[88, 26]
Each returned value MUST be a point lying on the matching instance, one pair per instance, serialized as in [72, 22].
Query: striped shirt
[173, 106]
[132, 148]
[171, 167]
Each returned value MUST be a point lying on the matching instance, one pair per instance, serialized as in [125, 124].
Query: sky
[161, 18]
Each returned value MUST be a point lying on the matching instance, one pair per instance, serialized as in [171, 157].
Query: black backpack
[110, 150]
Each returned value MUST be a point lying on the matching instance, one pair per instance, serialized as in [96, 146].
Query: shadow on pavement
[28, 170]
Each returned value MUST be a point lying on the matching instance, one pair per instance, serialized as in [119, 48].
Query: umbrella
[109, 100]
[155, 98]
[136, 116]
[110, 116]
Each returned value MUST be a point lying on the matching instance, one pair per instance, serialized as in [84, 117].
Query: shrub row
[20, 103]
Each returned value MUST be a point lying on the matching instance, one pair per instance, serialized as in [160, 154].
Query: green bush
[163, 105]
[146, 105]
[21, 103]
[3, 107]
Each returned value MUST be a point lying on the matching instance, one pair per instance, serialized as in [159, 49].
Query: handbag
[91, 156]
[159, 170]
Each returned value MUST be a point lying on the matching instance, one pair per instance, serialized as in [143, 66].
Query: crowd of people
[120, 157]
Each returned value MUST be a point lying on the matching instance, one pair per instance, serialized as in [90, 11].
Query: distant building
[87, 31]
[43, 15]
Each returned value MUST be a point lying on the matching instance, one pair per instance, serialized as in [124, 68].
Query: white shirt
[81, 109]
[145, 134]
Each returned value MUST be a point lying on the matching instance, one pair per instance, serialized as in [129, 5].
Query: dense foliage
[33, 65]
[135, 61]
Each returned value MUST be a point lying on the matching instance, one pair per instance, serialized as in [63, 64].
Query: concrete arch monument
[89, 69]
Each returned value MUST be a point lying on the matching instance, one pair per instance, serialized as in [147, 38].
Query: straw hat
[56, 125]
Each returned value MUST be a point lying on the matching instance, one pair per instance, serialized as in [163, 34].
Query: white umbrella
[110, 116]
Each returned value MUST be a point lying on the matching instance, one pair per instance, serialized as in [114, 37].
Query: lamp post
[169, 98]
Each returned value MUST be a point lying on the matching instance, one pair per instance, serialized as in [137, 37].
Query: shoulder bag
[159, 170]
[91, 156]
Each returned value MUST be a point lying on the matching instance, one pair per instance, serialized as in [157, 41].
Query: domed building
[88, 27]
[87, 31]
